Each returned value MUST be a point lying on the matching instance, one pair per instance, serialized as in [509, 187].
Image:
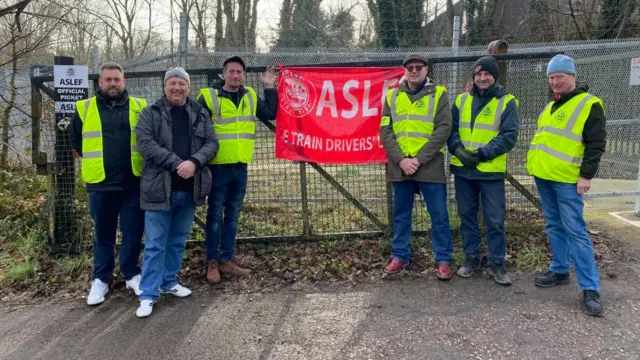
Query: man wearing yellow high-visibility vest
[415, 125]
[563, 157]
[485, 129]
[234, 109]
[102, 135]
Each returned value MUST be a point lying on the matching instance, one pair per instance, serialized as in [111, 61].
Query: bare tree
[86, 30]
[240, 20]
[16, 9]
[26, 33]
[219, 37]
[201, 22]
[251, 33]
[122, 24]
[31, 29]
[372, 6]
[8, 108]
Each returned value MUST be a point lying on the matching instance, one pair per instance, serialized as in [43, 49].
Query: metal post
[36, 115]
[184, 38]
[455, 45]
[95, 59]
[453, 88]
[306, 229]
[638, 193]
[65, 179]
[389, 200]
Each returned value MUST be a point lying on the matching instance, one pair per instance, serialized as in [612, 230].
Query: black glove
[467, 157]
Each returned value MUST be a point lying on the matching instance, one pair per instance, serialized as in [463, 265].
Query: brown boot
[231, 268]
[213, 275]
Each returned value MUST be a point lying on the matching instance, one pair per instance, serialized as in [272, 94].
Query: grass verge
[27, 271]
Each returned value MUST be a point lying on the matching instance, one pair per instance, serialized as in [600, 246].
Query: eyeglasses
[417, 68]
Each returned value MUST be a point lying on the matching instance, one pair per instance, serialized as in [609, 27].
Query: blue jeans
[435, 195]
[105, 207]
[567, 232]
[167, 233]
[469, 193]
[229, 185]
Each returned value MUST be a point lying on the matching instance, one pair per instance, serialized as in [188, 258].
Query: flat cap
[235, 59]
[416, 57]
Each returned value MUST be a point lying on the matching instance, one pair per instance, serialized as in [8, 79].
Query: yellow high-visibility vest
[557, 148]
[235, 127]
[92, 147]
[485, 128]
[412, 122]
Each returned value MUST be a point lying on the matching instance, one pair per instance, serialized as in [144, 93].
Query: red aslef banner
[332, 115]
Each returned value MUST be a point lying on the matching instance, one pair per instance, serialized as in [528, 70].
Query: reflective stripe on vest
[412, 122]
[557, 148]
[485, 128]
[92, 145]
[234, 127]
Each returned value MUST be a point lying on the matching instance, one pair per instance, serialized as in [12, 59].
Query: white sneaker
[144, 309]
[134, 284]
[178, 290]
[97, 293]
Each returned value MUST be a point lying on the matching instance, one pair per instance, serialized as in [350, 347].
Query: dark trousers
[229, 186]
[435, 197]
[469, 194]
[105, 207]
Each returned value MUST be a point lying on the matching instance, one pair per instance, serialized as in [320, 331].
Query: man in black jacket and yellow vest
[563, 158]
[102, 134]
[485, 129]
[233, 110]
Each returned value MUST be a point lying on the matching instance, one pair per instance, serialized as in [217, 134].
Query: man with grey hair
[177, 141]
[101, 134]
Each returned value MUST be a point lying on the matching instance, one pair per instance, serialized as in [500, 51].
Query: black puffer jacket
[155, 141]
[594, 134]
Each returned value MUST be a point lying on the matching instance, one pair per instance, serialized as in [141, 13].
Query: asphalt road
[409, 318]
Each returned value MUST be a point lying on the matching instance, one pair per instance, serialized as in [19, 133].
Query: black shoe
[469, 268]
[591, 302]
[499, 274]
[551, 278]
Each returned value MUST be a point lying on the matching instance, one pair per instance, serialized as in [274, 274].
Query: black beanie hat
[488, 64]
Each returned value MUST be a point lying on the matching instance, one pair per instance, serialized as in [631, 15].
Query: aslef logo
[299, 94]
[71, 72]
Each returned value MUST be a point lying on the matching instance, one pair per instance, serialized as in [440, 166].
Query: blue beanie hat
[561, 64]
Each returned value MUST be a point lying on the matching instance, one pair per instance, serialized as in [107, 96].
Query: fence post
[184, 38]
[637, 210]
[95, 59]
[36, 115]
[455, 45]
[65, 178]
[304, 194]
[389, 199]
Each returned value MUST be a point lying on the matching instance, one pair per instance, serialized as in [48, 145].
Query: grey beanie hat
[177, 72]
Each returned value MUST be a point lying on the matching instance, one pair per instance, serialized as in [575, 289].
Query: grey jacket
[155, 141]
[430, 157]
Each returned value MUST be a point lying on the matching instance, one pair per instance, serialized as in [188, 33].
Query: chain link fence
[15, 98]
[602, 64]
[294, 201]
